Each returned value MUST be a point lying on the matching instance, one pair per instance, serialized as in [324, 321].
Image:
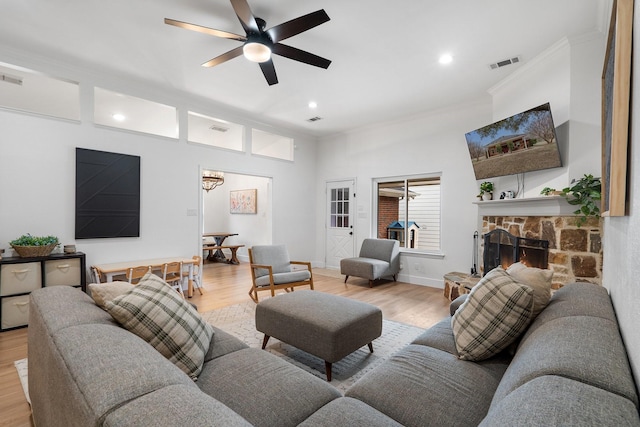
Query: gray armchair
[378, 258]
[271, 270]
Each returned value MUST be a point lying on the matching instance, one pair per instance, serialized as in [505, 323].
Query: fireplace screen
[503, 249]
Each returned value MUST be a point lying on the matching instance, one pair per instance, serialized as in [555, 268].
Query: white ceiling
[385, 54]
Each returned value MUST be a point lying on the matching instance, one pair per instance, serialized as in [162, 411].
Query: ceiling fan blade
[298, 25]
[234, 53]
[300, 55]
[205, 30]
[269, 72]
[243, 11]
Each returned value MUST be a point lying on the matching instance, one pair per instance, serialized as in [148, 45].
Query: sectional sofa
[569, 368]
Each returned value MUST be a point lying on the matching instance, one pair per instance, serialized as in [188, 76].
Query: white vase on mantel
[487, 196]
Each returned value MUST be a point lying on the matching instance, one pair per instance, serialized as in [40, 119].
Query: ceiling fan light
[256, 52]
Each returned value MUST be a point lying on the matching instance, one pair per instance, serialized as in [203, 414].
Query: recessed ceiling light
[313, 104]
[445, 58]
[118, 117]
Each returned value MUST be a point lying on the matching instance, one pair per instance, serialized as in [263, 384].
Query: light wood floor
[226, 285]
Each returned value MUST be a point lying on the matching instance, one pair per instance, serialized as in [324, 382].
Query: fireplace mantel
[532, 206]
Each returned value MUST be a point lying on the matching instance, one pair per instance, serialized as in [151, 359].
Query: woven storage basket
[34, 251]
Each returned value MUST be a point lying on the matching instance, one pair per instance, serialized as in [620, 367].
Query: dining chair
[97, 275]
[271, 269]
[196, 276]
[134, 274]
[172, 274]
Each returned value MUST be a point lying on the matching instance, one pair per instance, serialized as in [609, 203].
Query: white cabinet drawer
[15, 311]
[20, 278]
[62, 272]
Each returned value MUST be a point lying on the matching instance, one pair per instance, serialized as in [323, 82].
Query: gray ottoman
[324, 325]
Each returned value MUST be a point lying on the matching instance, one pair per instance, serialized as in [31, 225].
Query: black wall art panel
[107, 194]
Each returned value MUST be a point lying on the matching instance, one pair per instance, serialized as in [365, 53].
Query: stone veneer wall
[575, 253]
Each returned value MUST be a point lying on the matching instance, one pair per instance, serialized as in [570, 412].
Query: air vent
[504, 63]
[314, 119]
[11, 79]
[218, 128]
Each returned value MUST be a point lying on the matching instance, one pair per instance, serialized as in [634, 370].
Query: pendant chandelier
[211, 180]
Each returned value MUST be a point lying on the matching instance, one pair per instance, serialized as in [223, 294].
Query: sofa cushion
[280, 278]
[575, 299]
[181, 406]
[87, 370]
[537, 279]
[346, 411]
[265, 389]
[422, 386]
[494, 315]
[557, 401]
[158, 314]
[103, 292]
[583, 348]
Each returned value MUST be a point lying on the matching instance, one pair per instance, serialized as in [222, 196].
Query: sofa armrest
[456, 303]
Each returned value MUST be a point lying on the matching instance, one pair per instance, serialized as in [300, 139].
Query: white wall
[621, 270]
[431, 142]
[252, 229]
[37, 172]
[566, 73]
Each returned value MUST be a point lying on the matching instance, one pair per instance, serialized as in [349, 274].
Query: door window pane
[339, 208]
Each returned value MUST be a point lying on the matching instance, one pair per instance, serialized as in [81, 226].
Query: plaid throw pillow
[159, 315]
[496, 312]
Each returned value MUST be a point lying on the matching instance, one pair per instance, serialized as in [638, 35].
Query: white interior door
[340, 224]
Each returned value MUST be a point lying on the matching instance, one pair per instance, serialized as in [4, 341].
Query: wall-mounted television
[521, 143]
[107, 194]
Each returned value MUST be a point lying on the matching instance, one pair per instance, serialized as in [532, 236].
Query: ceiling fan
[259, 43]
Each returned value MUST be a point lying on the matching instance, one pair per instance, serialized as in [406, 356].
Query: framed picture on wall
[616, 97]
[243, 201]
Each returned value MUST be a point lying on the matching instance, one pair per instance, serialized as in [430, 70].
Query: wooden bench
[216, 254]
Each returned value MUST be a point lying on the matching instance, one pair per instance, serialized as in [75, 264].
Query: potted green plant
[486, 190]
[34, 246]
[585, 193]
[546, 191]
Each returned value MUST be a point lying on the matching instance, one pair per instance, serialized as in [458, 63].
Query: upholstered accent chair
[378, 258]
[271, 269]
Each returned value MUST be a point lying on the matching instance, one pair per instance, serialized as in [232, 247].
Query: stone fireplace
[574, 253]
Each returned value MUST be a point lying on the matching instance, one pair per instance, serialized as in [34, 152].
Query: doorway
[340, 239]
[250, 228]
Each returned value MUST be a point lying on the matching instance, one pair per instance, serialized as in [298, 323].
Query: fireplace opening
[502, 248]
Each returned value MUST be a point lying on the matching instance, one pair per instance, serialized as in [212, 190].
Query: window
[271, 145]
[408, 210]
[215, 132]
[27, 90]
[128, 112]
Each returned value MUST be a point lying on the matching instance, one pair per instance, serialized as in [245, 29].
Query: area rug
[21, 367]
[239, 320]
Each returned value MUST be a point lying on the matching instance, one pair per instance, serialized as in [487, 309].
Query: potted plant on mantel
[586, 193]
[28, 246]
[486, 190]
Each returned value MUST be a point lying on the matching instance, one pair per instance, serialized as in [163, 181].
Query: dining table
[219, 238]
[111, 270]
